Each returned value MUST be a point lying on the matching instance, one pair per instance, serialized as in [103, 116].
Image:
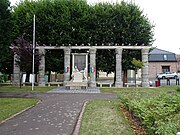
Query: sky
[164, 14]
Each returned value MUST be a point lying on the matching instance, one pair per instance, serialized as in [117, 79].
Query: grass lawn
[103, 117]
[11, 106]
[24, 89]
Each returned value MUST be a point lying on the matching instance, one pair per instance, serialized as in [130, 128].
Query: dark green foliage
[73, 22]
[127, 58]
[5, 37]
[178, 89]
[106, 60]
[54, 59]
[3, 78]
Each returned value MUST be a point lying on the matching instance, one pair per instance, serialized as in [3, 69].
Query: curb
[20, 112]
[78, 124]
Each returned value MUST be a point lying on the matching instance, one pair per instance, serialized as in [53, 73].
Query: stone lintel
[96, 47]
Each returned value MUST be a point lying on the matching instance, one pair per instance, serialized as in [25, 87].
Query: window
[165, 69]
[165, 57]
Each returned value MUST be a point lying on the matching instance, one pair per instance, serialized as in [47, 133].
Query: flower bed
[159, 114]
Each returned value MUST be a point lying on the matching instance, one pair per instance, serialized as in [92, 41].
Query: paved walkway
[57, 114]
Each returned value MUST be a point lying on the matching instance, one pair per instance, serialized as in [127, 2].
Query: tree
[54, 59]
[64, 22]
[23, 51]
[137, 64]
[5, 37]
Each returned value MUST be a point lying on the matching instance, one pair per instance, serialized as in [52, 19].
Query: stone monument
[79, 72]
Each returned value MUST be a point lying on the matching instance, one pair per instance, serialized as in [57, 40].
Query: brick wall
[156, 67]
[178, 63]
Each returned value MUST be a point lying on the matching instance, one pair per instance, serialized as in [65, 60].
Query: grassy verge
[11, 106]
[102, 117]
[24, 89]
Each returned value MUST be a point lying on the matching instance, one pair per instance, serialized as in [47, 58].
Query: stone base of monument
[76, 85]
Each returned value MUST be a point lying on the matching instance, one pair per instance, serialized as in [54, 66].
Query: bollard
[168, 81]
[157, 83]
[177, 81]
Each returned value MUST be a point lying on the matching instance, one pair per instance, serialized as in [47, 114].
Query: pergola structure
[92, 53]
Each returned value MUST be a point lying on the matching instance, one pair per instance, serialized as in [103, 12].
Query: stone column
[16, 72]
[86, 69]
[145, 74]
[73, 63]
[118, 82]
[67, 58]
[42, 68]
[92, 82]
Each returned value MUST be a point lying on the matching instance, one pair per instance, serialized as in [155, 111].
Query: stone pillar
[118, 82]
[67, 59]
[145, 75]
[42, 68]
[16, 72]
[73, 63]
[92, 82]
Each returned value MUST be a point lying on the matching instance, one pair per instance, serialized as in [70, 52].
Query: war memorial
[76, 73]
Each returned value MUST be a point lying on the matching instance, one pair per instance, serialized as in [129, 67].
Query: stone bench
[101, 84]
[132, 84]
[55, 83]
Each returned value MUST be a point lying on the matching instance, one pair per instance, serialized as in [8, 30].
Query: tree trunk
[135, 77]
[49, 76]
[20, 81]
[36, 77]
[125, 80]
[56, 77]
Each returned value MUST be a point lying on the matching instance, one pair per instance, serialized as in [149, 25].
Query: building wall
[156, 67]
[178, 61]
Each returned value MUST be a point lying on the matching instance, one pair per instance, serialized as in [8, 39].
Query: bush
[178, 89]
[159, 115]
[3, 78]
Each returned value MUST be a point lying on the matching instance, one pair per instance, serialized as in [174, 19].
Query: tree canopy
[75, 22]
[64, 22]
[5, 37]
[23, 51]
